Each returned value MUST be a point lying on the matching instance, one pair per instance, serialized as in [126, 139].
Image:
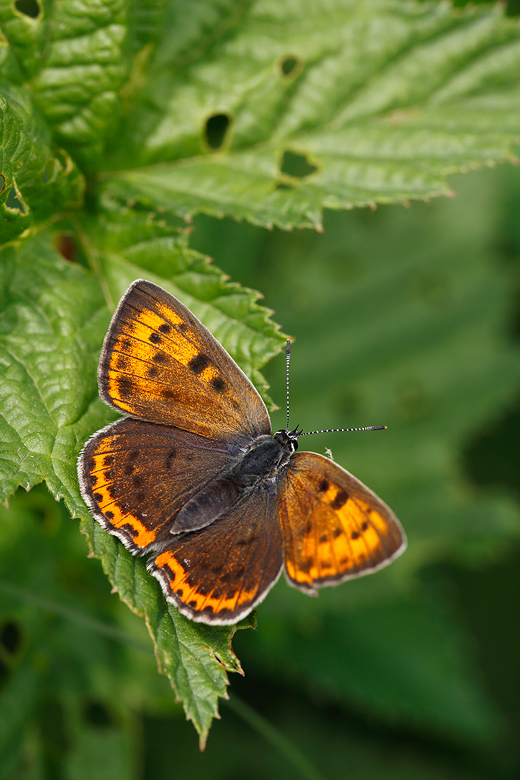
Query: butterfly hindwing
[217, 575]
[159, 363]
[136, 475]
[334, 527]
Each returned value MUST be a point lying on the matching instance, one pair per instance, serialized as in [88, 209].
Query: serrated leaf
[54, 319]
[73, 60]
[317, 106]
[35, 181]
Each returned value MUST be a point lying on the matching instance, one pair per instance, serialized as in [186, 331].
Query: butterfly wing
[136, 475]
[334, 527]
[159, 363]
[219, 574]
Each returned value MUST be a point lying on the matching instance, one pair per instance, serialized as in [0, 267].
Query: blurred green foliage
[407, 317]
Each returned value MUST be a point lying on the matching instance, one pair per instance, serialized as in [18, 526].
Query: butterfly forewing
[334, 527]
[219, 574]
[159, 363]
[135, 476]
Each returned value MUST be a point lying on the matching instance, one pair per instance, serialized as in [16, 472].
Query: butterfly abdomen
[260, 464]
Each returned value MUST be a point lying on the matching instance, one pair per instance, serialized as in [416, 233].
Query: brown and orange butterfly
[194, 478]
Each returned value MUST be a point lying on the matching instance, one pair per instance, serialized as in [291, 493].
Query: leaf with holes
[275, 112]
[72, 58]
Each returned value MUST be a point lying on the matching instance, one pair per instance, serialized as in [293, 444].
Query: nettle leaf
[72, 57]
[275, 112]
[53, 323]
[35, 181]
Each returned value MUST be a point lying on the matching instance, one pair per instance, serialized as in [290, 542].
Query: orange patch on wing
[194, 595]
[111, 509]
[343, 535]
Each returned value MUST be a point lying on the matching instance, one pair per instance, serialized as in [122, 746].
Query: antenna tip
[288, 347]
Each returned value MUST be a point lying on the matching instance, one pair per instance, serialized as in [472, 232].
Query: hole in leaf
[28, 8]
[2, 177]
[290, 67]
[296, 165]
[66, 245]
[10, 637]
[216, 130]
[14, 201]
[97, 714]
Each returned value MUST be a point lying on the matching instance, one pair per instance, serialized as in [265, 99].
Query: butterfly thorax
[261, 465]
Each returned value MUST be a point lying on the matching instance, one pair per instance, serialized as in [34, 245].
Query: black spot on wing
[198, 363]
[340, 499]
[165, 327]
[121, 363]
[218, 384]
[124, 386]
[169, 394]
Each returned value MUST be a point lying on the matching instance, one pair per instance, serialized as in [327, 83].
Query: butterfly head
[288, 439]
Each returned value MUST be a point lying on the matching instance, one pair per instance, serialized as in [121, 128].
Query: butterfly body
[258, 469]
[193, 478]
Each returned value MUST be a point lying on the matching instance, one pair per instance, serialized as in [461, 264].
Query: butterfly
[193, 477]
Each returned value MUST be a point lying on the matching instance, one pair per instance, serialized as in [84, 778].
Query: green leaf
[49, 404]
[274, 112]
[73, 60]
[35, 182]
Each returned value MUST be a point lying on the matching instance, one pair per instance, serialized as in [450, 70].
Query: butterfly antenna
[287, 360]
[345, 430]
